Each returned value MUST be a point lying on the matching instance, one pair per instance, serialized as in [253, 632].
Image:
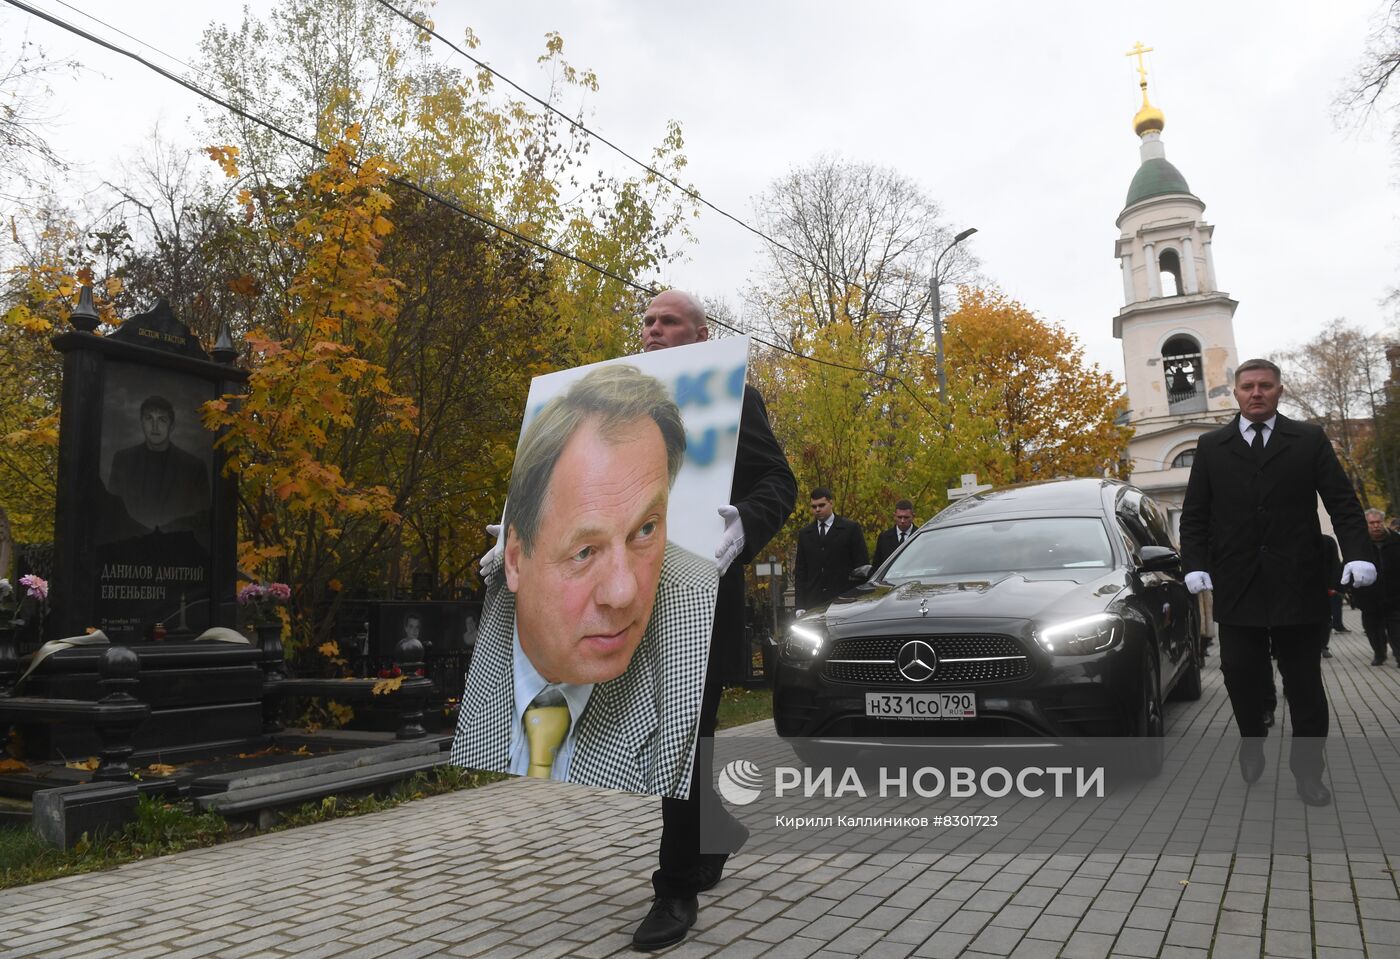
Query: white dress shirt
[528, 685]
[1248, 433]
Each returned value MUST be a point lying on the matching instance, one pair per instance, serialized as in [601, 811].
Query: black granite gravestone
[145, 529]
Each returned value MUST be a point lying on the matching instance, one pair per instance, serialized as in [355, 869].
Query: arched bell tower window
[1185, 380]
[1184, 458]
[1170, 265]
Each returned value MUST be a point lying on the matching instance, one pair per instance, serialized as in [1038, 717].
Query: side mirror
[1159, 559]
[861, 573]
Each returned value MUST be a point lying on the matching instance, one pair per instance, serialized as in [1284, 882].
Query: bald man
[762, 498]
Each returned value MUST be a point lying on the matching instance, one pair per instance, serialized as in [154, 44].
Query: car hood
[1042, 596]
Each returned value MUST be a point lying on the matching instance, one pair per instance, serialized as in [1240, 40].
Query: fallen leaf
[8, 765]
[161, 769]
[91, 763]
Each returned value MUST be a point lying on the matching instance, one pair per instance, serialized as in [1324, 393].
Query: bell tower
[1176, 325]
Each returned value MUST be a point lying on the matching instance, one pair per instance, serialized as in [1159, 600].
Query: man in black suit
[828, 548]
[891, 539]
[1380, 602]
[762, 497]
[1249, 531]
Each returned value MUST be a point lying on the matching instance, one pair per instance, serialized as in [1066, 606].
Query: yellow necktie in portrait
[545, 728]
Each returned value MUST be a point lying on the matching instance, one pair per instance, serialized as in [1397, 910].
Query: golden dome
[1149, 118]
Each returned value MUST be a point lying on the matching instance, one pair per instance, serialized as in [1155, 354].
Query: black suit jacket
[1253, 525]
[764, 491]
[824, 563]
[887, 543]
[1383, 596]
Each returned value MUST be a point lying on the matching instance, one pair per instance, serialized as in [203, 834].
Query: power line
[429, 195]
[583, 128]
[150, 46]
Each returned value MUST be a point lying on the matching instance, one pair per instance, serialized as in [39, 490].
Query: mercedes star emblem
[917, 661]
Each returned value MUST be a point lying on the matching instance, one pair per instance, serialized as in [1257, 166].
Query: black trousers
[1245, 663]
[679, 872]
[1382, 629]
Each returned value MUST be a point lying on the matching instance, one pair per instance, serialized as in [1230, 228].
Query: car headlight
[805, 639]
[1080, 637]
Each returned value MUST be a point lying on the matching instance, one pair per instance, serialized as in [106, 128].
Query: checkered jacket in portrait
[638, 731]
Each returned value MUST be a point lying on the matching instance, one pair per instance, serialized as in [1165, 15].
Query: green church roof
[1155, 177]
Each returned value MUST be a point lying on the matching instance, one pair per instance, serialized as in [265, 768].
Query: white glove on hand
[494, 553]
[1198, 581]
[1358, 573]
[733, 539]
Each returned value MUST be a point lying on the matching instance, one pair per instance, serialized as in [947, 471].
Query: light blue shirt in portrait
[528, 685]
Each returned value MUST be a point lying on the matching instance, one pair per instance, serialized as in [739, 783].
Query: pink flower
[251, 593]
[279, 592]
[38, 587]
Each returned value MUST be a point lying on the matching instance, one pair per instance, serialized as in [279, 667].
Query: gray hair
[1376, 512]
[609, 398]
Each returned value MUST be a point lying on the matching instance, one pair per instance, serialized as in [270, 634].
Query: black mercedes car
[1050, 609]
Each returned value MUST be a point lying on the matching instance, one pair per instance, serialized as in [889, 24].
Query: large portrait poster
[153, 540]
[594, 636]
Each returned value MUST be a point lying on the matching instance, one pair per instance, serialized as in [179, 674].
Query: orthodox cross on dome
[1137, 51]
[1149, 119]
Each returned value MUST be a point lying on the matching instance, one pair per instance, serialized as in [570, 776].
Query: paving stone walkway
[535, 869]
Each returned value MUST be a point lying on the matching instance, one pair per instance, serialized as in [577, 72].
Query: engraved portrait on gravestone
[156, 452]
[154, 524]
[157, 481]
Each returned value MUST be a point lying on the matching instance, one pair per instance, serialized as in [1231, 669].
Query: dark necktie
[821, 528]
[901, 536]
[1257, 444]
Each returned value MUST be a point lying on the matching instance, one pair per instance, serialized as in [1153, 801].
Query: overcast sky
[1015, 116]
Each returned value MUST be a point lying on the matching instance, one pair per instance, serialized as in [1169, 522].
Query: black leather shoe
[667, 923]
[1251, 762]
[1268, 718]
[1378, 661]
[1312, 792]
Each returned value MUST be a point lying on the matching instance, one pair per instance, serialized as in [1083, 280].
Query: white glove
[733, 539]
[1198, 581]
[495, 553]
[1358, 573]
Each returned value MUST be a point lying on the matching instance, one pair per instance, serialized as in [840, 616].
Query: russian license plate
[921, 705]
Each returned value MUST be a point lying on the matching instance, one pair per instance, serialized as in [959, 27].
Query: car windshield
[1006, 546]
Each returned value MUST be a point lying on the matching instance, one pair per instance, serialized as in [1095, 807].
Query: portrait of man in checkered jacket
[592, 649]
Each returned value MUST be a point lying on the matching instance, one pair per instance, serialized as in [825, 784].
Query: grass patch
[158, 829]
[739, 706]
[161, 828]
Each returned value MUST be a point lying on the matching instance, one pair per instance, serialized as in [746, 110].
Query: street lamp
[938, 313]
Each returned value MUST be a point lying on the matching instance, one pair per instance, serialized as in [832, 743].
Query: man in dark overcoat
[828, 548]
[893, 538]
[1250, 532]
[1380, 602]
[762, 497]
